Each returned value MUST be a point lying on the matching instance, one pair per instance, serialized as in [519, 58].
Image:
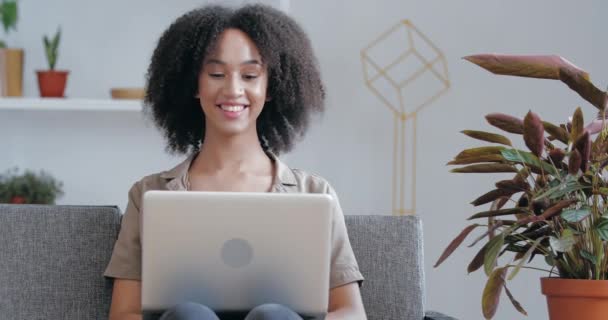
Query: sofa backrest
[390, 256]
[52, 259]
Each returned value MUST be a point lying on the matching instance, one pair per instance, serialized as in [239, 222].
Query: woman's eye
[250, 76]
[216, 75]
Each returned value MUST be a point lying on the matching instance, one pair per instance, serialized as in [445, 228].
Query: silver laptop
[235, 251]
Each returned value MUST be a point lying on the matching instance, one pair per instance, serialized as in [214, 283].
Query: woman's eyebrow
[220, 62]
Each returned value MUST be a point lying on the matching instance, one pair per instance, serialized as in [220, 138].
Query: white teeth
[232, 108]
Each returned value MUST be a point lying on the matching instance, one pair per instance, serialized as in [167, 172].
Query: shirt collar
[177, 177]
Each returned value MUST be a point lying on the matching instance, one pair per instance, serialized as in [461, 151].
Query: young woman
[232, 89]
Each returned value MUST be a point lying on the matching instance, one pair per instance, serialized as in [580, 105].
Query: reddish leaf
[546, 67]
[492, 291]
[534, 133]
[491, 196]
[477, 261]
[556, 132]
[496, 213]
[515, 303]
[455, 244]
[486, 168]
[490, 230]
[583, 145]
[506, 122]
[557, 156]
[487, 136]
[577, 124]
[477, 159]
[557, 208]
[574, 163]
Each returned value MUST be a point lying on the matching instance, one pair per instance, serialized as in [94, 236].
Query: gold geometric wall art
[407, 73]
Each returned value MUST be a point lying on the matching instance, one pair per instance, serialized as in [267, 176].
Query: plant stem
[533, 268]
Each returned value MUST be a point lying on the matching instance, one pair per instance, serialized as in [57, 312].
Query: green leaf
[487, 136]
[555, 131]
[477, 159]
[3, 45]
[8, 11]
[564, 243]
[589, 256]
[576, 215]
[492, 291]
[602, 229]
[570, 184]
[527, 158]
[525, 257]
[494, 247]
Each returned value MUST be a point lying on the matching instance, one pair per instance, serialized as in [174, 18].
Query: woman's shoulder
[310, 182]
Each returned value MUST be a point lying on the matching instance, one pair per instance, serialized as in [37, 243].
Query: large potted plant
[29, 187]
[11, 59]
[52, 82]
[554, 206]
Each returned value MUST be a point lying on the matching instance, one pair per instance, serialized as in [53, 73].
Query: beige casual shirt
[125, 262]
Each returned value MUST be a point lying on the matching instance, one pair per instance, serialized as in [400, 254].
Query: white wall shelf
[69, 104]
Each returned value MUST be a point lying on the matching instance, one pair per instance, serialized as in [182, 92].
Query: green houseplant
[52, 82]
[11, 59]
[554, 206]
[29, 187]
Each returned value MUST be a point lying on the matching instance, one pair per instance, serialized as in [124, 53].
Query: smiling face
[232, 85]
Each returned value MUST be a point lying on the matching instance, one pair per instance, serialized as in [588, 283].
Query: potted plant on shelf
[11, 59]
[52, 82]
[29, 187]
[555, 206]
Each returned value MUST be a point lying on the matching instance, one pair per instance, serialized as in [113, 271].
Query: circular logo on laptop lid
[237, 253]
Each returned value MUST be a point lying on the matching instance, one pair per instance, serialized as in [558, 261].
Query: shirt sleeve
[125, 262]
[344, 267]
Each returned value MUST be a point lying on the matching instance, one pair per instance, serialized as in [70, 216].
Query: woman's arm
[126, 300]
[345, 303]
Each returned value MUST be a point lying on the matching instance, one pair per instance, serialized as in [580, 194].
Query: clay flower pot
[573, 299]
[17, 200]
[52, 83]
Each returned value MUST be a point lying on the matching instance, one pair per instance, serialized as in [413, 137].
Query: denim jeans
[195, 311]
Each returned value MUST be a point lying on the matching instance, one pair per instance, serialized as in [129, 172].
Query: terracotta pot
[11, 72]
[17, 200]
[52, 83]
[571, 299]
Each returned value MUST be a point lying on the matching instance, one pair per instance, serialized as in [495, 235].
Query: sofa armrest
[434, 315]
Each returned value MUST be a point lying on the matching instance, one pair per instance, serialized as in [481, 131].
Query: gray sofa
[52, 259]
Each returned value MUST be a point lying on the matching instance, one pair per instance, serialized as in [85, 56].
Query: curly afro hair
[294, 80]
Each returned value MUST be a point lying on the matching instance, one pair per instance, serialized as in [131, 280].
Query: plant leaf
[589, 256]
[577, 124]
[492, 291]
[481, 151]
[565, 243]
[491, 196]
[534, 133]
[506, 122]
[494, 246]
[528, 158]
[489, 231]
[485, 168]
[546, 67]
[487, 136]
[477, 261]
[496, 213]
[525, 257]
[602, 229]
[477, 159]
[455, 244]
[9, 15]
[557, 208]
[515, 303]
[576, 215]
[556, 132]
[570, 184]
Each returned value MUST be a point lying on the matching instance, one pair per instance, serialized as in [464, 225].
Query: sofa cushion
[52, 259]
[389, 253]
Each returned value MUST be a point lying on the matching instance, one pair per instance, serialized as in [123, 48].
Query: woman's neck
[242, 153]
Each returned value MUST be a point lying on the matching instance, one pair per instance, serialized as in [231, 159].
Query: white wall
[108, 43]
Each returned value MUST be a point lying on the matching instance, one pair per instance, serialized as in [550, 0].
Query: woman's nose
[234, 87]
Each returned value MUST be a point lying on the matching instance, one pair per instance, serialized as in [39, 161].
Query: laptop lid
[235, 251]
